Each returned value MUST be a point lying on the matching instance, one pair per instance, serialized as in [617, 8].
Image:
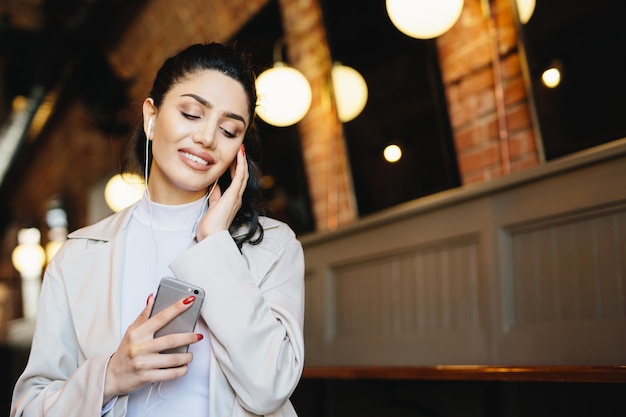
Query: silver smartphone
[169, 292]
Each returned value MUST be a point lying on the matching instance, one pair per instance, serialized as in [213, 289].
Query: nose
[205, 134]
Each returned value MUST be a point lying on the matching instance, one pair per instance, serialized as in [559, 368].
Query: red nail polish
[189, 300]
[243, 149]
[148, 299]
[199, 336]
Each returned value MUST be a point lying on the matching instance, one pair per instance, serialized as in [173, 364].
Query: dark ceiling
[64, 42]
[39, 40]
[54, 43]
[60, 45]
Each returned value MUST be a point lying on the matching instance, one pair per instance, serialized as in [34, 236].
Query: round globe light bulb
[29, 256]
[284, 95]
[123, 190]
[551, 77]
[392, 153]
[525, 10]
[350, 91]
[424, 19]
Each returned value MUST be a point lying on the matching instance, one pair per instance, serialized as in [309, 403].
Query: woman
[94, 350]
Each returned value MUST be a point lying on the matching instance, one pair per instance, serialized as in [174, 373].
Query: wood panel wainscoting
[526, 271]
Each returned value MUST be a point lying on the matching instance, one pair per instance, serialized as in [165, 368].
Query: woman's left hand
[224, 206]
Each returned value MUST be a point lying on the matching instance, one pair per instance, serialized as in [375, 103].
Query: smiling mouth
[195, 158]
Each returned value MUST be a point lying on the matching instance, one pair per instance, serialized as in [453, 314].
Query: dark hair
[236, 65]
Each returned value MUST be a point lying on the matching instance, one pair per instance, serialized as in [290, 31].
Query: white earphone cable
[148, 408]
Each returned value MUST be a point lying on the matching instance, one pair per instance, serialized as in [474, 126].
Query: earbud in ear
[149, 133]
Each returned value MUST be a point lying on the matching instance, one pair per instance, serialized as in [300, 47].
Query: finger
[158, 360]
[239, 173]
[145, 313]
[148, 308]
[175, 340]
[168, 314]
[165, 373]
[151, 364]
[237, 161]
[239, 165]
[246, 175]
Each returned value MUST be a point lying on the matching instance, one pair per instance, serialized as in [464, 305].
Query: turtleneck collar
[169, 217]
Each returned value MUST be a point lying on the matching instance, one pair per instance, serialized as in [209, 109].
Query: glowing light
[392, 153]
[284, 95]
[350, 91]
[525, 10]
[551, 77]
[29, 256]
[424, 19]
[123, 190]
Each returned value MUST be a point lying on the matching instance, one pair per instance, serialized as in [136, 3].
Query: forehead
[217, 88]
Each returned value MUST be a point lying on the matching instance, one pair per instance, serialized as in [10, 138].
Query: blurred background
[508, 93]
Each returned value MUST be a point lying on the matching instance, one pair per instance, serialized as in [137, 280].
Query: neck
[174, 198]
[163, 191]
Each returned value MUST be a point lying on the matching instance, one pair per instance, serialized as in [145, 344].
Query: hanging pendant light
[123, 190]
[424, 19]
[28, 258]
[350, 91]
[283, 94]
[525, 10]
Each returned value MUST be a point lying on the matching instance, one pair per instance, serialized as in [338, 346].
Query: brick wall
[485, 149]
[165, 26]
[485, 91]
[486, 95]
[325, 156]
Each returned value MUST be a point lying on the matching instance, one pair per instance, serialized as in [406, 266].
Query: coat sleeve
[54, 383]
[254, 307]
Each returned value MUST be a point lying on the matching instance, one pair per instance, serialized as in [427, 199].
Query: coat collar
[106, 229]
[109, 227]
[93, 284]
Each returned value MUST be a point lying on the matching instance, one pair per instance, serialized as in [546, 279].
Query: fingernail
[199, 336]
[243, 149]
[148, 299]
[189, 300]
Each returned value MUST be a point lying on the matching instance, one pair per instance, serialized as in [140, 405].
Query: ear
[149, 114]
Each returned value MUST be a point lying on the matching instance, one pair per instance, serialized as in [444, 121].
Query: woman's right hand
[223, 207]
[137, 360]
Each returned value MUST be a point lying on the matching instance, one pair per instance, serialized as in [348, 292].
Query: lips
[197, 160]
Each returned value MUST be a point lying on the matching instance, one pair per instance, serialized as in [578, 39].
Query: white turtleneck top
[158, 234]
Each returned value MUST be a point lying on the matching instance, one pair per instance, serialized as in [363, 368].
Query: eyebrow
[207, 103]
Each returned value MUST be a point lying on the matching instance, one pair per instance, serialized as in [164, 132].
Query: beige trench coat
[254, 308]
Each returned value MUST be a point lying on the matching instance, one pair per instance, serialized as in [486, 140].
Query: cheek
[165, 139]
[159, 150]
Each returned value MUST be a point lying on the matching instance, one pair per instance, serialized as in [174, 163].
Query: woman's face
[196, 134]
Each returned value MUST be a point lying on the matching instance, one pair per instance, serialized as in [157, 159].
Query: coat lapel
[93, 283]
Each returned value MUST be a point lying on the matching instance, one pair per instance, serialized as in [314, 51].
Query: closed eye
[189, 116]
[228, 133]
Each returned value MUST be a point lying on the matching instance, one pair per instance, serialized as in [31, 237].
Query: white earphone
[149, 134]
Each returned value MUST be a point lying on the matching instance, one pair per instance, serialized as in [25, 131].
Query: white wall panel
[529, 269]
